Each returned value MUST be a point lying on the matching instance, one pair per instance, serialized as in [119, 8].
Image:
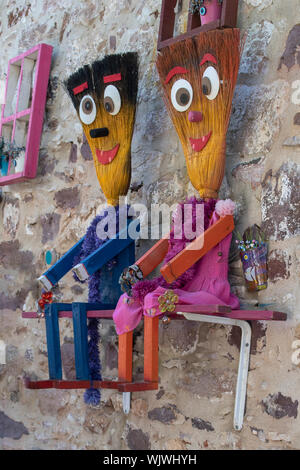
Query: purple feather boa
[142, 288]
[92, 396]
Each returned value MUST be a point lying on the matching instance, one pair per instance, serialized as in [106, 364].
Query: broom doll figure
[104, 96]
[198, 76]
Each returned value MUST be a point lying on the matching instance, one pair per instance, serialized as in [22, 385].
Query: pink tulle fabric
[208, 286]
[226, 207]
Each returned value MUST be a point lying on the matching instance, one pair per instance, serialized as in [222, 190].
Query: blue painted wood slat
[64, 264]
[81, 341]
[108, 251]
[53, 341]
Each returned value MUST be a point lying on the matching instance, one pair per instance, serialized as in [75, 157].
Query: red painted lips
[107, 156]
[199, 144]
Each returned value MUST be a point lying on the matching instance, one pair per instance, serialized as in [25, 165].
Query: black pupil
[108, 107]
[206, 86]
[88, 105]
[184, 98]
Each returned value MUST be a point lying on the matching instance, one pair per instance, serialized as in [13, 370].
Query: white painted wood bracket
[126, 402]
[241, 386]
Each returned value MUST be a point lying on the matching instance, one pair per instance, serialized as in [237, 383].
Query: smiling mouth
[199, 144]
[107, 156]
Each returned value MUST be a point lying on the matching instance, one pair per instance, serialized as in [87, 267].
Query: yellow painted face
[109, 137]
[198, 77]
[105, 101]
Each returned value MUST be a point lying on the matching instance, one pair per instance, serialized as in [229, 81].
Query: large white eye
[112, 100]
[87, 110]
[210, 83]
[182, 95]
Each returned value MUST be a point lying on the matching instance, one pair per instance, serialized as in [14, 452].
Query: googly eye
[210, 83]
[87, 110]
[182, 95]
[203, 11]
[112, 100]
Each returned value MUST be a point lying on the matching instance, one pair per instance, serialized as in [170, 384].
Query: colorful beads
[167, 301]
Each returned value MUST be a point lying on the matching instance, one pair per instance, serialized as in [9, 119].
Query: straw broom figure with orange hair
[198, 76]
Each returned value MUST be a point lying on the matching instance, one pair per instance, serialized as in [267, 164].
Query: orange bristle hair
[206, 167]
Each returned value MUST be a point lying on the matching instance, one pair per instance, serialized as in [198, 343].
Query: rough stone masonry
[193, 408]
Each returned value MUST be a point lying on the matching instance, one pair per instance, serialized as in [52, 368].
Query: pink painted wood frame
[34, 115]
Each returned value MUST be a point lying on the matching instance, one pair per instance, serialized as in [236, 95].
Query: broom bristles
[206, 174]
[114, 177]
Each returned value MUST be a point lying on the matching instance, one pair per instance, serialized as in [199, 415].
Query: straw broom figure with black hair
[104, 96]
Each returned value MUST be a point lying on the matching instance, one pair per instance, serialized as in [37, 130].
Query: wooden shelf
[167, 22]
[220, 310]
[85, 384]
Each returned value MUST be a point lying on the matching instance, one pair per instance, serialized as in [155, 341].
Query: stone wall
[193, 408]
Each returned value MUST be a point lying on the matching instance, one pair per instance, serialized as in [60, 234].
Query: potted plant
[209, 10]
[10, 151]
[3, 158]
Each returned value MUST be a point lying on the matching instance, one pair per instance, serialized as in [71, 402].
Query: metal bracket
[241, 386]
[126, 402]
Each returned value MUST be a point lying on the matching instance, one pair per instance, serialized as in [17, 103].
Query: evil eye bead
[210, 83]
[182, 95]
[87, 110]
[112, 100]
[203, 11]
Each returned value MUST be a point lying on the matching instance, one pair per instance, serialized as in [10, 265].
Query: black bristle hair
[126, 64]
[84, 74]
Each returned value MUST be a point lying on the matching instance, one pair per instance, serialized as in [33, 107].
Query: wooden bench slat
[205, 309]
[84, 384]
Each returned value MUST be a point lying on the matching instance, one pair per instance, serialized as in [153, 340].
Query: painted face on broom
[198, 77]
[104, 95]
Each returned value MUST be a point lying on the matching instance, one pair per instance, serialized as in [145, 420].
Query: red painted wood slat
[200, 309]
[83, 384]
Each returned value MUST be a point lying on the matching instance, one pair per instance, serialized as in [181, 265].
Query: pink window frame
[34, 114]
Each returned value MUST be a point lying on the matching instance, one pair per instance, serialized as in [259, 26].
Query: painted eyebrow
[173, 72]
[208, 58]
[112, 78]
[80, 88]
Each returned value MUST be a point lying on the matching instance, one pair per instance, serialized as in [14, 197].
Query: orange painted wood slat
[197, 249]
[151, 329]
[125, 357]
[153, 257]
